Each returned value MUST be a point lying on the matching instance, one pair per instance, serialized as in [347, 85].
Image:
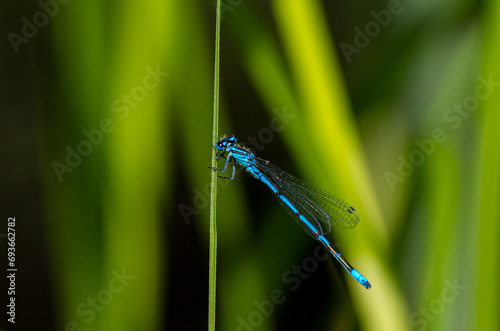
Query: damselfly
[312, 208]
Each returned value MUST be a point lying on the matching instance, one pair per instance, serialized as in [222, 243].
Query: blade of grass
[213, 187]
[310, 49]
[138, 168]
[487, 262]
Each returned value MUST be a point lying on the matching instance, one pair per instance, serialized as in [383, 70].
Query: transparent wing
[318, 206]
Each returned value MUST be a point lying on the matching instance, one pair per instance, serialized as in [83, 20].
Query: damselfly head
[224, 142]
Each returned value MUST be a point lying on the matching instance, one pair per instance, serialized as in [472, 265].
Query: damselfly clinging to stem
[312, 208]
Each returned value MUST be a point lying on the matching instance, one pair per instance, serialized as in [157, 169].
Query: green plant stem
[213, 189]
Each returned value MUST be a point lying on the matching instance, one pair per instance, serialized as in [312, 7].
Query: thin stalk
[213, 189]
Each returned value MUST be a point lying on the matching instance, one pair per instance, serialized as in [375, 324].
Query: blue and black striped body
[312, 208]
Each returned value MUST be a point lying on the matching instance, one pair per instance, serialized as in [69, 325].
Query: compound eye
[220, 145]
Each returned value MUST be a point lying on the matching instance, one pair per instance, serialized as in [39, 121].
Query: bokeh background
[106, 122]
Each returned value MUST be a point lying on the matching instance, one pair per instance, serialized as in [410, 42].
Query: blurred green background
[106, 125]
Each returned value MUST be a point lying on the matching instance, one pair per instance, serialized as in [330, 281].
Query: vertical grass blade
[213, 188]
[135, 189]
[311, 53]
[488, 263]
